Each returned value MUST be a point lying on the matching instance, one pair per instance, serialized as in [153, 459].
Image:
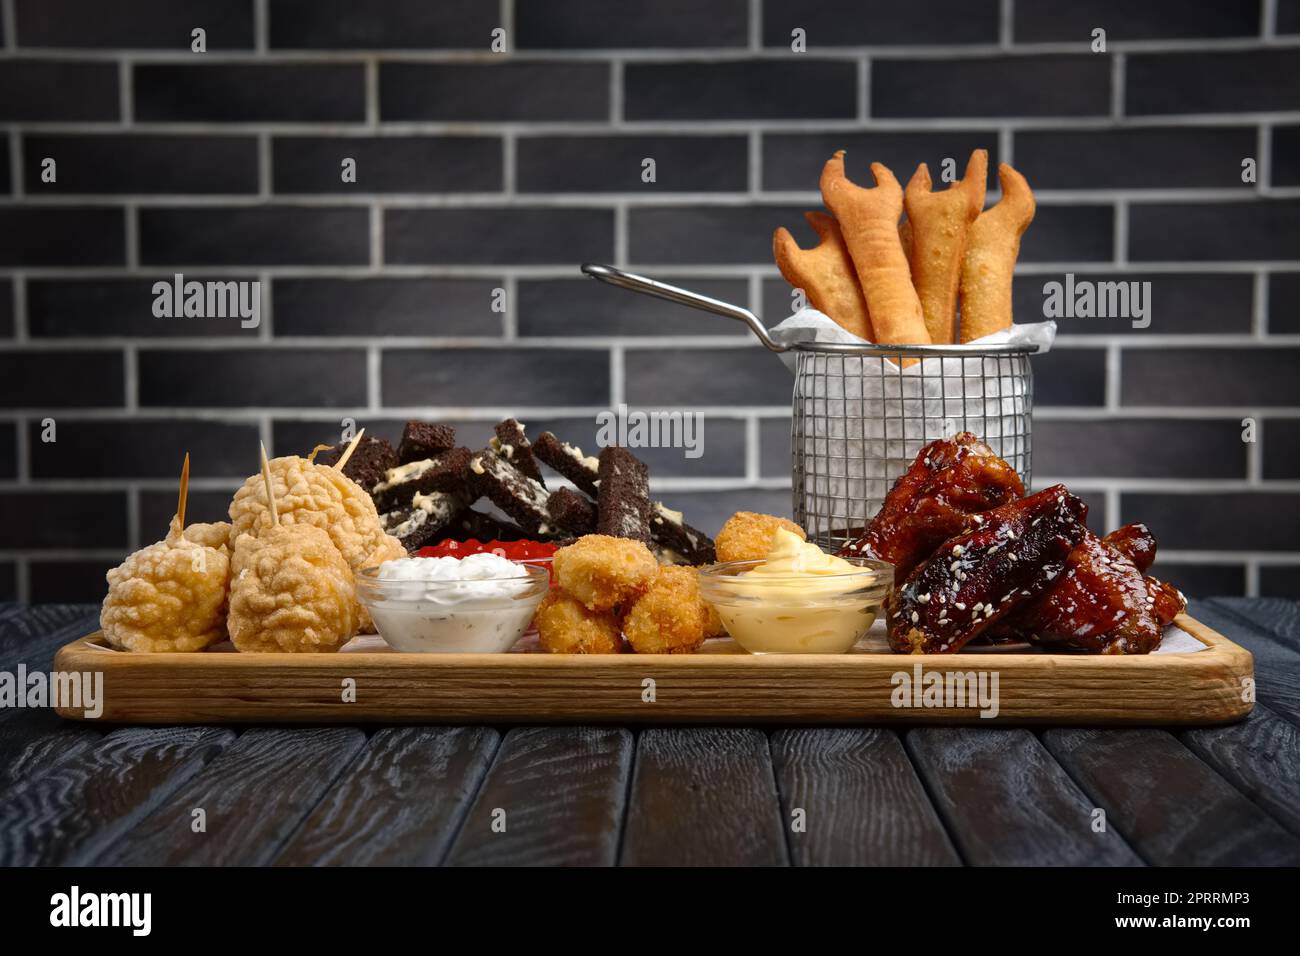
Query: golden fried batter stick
[991, 258]
[868, 217]
[940, 222]
[825, 272]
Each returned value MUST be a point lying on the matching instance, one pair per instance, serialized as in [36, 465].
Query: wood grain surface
[704, 796]
[1007, 802]
[400, 804]
[1277, 672]
[863, 803]
[560, 794]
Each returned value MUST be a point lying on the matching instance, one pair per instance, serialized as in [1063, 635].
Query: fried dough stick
[825, 272]
[991, 258]
[868, 218]
[940, 223]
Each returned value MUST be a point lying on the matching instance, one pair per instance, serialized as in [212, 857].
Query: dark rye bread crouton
[447, 472]
[669, 531]
[572, 511]
[519, 496]
[425, 520]
[513, 445]
[568, 461]
[421, 440]
[368, 464]
[623, 499]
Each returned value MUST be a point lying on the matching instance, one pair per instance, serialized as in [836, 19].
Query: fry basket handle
[662, 290]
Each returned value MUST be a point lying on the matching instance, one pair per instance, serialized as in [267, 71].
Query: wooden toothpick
[347, 453]
[185, 491]
[270, 495]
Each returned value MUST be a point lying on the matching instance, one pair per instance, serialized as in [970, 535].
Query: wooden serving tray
[721, 684]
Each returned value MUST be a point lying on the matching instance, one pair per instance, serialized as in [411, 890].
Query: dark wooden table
[80, 793]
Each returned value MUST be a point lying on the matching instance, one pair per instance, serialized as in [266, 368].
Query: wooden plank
[29, 637]
[558, 791]
[1277, 667]
[253, 796]
[714, 687]
[1005, 801]
[70, 813]
[862, 801]
[1260, 757]
[1279, 616]
[1170, 806]
[400, 804]
[704, 796]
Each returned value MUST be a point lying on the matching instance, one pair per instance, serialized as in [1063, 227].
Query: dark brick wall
[479, 171]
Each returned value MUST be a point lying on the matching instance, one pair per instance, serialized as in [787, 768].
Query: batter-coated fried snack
[215, 535]
[825, 273]
[565, 626]
[747, 536]
[603, 572]
[990, 260]
[868, 218]
[940, 222]
[670, 617]
[170, 596]
[291, 591]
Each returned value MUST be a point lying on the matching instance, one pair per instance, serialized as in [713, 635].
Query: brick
[1280, 444]
[43, 520]
[6, 309]
[8, 450]
[61, 308]
[143, 448]
[1219, 231]
[1049, 85]
[1182, 303]
[138, 25]
[250, 92]
[1278, 580]
[1217, 521]
[1288, 16]
[141, 164]
[704, 234]
[1203, 580]
[847, 23]
[793, 161]
[1139, 448]
[586, 164]
[721, 443]
[1070, 377]
[58, 90]
[1286, 156]
[519, 235]
[629, 24]
[687, 378]
[43, 381]
[402, 25]
[291, 436]
[1070, 234]
[69, 582]
[1123, 21]
[157, 508]
[495, 377]
[531, 91]
[1158, 157]
[1284, 303]
[253, 378]
[8, 579]
[62, 236]
[385, 306]
[1210, 376]
[254, 235]
[551, 307]
[1227, 81]
[741, 90]
[387, 164]
[774, 447]
[6, 172]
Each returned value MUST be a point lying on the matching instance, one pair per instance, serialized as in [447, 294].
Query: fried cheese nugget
[868, 218]
[991, 255]
[291, 591]
[825, 273]
[170, 597]
[940, 223]
[670, 617]
[565, 626]
[603, 572]
[747, 536]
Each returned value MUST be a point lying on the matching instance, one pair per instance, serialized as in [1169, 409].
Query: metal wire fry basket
[862, 412]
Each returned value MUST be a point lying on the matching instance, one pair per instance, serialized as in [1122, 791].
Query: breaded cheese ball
[670, 617]
[565, 626]
[291, 591]
[603, 572]
[169, 597]
[214, 535]
[748, 536]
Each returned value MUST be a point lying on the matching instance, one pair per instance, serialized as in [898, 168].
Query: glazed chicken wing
[950, 481]
[976, 579]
